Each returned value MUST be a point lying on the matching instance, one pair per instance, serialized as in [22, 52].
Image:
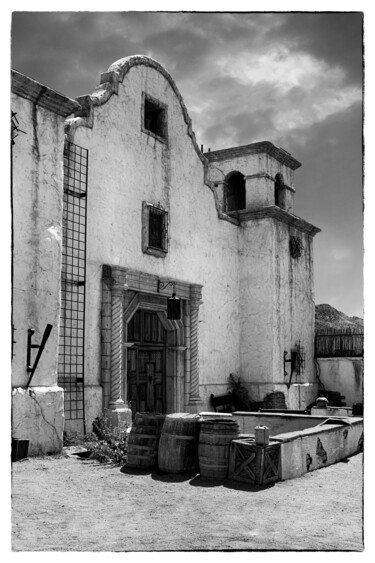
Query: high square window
[154, 117]
[154, 230]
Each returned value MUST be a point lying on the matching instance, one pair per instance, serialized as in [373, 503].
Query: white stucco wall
[294, 313]
[128, 166]
[37, 193]
[38, 416]
[250, 313]
[37, 220]
[277, 310]
[344, 375]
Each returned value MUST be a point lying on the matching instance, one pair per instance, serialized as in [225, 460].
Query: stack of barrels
[182, 443]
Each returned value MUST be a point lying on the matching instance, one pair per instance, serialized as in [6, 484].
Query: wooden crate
[259, 465]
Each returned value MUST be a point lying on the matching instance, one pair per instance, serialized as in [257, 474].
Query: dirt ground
[63, 503]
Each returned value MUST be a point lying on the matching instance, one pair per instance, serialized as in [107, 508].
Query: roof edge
[275, 212]
[255, 148]
[108, 86]
[45, 97]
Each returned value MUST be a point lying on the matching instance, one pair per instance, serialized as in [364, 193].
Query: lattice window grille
[73, 274]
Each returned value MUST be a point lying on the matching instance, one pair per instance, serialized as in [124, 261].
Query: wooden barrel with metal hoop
[214, 447]
[178, 445]
[143, 443]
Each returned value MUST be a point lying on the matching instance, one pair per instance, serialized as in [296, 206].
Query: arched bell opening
[279, 184]
[235, 192]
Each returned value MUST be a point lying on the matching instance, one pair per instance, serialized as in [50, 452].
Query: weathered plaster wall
[344, 375]
[128, 166]
[37, 191]
[313, 448]
[294, 313]
[306, 442]
[257, 286]
[276, 310]
[37, 219]
[38, 416]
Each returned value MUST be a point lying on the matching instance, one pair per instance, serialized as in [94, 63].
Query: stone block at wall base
[93, 404]
[301, 395]
[119, 417]
[38, 416]
[331, 411]
[195, 407]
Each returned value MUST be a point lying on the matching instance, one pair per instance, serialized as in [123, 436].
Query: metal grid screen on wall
[73, 276]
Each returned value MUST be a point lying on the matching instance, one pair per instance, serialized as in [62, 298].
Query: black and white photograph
[186, 279]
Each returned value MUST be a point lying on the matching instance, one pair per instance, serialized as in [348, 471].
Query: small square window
[154, 230]
[154, 118]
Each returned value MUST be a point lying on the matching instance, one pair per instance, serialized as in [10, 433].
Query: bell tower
[254, 187]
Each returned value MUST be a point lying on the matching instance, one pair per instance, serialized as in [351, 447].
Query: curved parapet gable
[108, 86]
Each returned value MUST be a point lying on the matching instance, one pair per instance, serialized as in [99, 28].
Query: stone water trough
[307, 442]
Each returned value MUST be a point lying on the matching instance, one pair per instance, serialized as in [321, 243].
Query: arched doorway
[166, 351]
[146, 363]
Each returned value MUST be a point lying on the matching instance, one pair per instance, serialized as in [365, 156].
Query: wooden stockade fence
[330, 342]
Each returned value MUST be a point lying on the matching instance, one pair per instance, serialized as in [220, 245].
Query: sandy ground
[63, 503]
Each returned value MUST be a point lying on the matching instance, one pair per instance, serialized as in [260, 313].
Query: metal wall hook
[31, 369]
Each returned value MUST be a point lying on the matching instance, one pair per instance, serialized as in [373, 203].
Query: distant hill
[329, 317]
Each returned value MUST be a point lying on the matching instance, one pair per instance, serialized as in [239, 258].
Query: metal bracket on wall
[292, 361]
[297, 361]
[31, 369]
[165, 284]
[173, 303]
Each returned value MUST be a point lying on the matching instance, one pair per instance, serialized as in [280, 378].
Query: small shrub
[108, 444]
[239, 392]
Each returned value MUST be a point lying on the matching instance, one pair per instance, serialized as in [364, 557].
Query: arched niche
[235, 192]
[279, 185]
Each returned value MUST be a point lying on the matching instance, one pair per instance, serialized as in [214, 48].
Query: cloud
[277, 66]
[335, 38]
[340, 253]
[300, 89]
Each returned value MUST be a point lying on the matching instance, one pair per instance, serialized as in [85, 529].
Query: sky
[294, 79]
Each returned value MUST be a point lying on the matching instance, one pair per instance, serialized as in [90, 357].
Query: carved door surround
[124, 291]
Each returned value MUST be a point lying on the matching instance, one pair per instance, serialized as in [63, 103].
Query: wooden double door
[146, 363]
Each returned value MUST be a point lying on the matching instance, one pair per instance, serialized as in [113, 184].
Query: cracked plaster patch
[38, 415]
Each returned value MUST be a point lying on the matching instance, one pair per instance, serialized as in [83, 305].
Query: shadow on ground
[228, 484]
[158, 475]
[195, 479]
[127, 470]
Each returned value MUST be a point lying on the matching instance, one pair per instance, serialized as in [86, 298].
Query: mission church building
[173, 267]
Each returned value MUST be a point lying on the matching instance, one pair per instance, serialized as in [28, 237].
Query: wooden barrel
[143, 442]
[214, 447]
[178, 446]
